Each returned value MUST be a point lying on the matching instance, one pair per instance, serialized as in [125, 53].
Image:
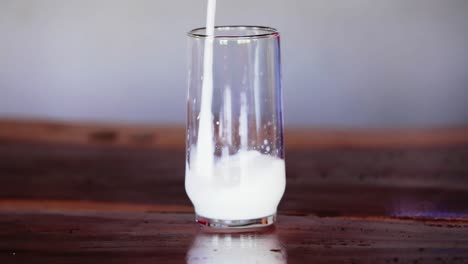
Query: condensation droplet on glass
[265, 142]
[198, 117]
[217, 123]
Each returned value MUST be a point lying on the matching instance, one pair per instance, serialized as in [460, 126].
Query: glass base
[236, 224]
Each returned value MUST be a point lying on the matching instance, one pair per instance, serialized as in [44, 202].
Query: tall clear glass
[235, 170]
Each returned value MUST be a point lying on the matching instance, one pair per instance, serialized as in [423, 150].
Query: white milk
[244, 186]
[205, 131]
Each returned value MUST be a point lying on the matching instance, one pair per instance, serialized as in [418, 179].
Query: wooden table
[106, 194]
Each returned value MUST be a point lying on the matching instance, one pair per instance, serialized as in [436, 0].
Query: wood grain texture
[91, 194]
[174, 136]
[32, 237]
[404, 182]
[92, 134]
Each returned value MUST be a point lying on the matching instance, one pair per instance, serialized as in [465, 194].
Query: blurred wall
[361, 63]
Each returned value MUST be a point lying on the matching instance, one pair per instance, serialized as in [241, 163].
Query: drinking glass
[235, 168]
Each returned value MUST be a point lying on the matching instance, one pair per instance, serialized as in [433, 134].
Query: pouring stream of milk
[205, 149]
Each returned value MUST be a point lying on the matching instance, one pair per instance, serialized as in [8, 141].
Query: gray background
[347, 63]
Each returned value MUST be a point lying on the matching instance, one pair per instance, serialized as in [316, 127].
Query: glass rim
[269, 32]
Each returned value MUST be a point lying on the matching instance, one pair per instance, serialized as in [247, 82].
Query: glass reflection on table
[237, 248]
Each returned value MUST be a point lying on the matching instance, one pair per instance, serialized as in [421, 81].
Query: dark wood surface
[96, 202]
